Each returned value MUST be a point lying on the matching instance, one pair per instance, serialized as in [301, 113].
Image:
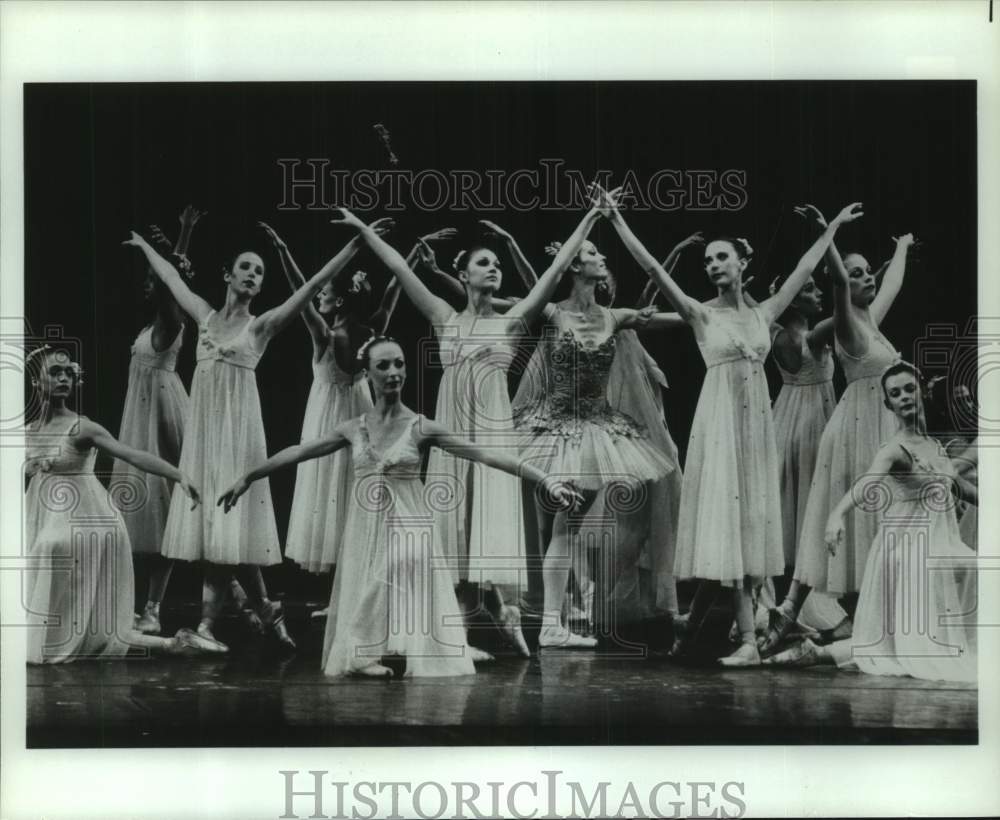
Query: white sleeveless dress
[223, 440]
[323, 485]
[156, 407]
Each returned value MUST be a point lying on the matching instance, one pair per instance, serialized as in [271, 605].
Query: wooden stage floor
[257, 697]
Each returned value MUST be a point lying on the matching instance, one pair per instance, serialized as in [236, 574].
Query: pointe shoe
[273, 617]
[373, 670]
[558, 637]
[206, 641]
[252, 621]
[149, 622]
[480, 655]
[840, 632]
[321, 613]
[510, 625]
[682, 635]
[779, 625]
[805, 653]
[746, 655]
[189, 642]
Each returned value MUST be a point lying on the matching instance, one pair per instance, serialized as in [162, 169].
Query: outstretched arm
[889, 459]
[192, 304]
[284, 458]
[646, 319]
[892, 283]
[669, 264]
[776, 305]
[271, 322]
[314, 321]
[93, 434]
[521, 263]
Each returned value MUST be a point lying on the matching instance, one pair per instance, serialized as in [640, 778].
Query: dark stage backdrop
[103, 159]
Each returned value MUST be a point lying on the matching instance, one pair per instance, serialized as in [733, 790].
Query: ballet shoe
[682, 635]
[840, 632]
[746, 655]
[558, 637]
[321, 613]
[208, 641]
[149, 622]
[510, 625]
[373, 670]
[188, 642]
[804, 653]
[273, 617]
[252, 621]
[480, 655]
[779, 625]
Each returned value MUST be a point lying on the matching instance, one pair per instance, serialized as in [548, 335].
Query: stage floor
[257, 697]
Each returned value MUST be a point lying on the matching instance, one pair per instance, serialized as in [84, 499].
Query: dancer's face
[57, 377]
[722, 264]
[809, 300]
[386, 368]
[247, 274]
[590, 263]
[482, 271]
[860, 279]
[902, 395]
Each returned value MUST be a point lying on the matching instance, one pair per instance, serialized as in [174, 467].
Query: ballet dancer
[860, 424]
[912, 619]
[225, 432]
[392, 591]
[156, 405]
[79, 591]
[729, 531]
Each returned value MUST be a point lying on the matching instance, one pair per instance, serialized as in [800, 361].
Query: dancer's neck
[236, 305]
[388, 406]
[794, 323]
[731, 296]
[581, 299]
[480, 302]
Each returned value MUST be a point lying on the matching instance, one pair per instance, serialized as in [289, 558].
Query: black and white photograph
[410, 413]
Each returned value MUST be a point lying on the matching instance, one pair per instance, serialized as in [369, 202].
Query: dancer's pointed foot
[207, 641]
[746, 655]
[510, 625]
[373, 670]
[558, 637]
[805, 653]
[840, 632]
[252, 621]
[321, 613]
[189, 642]
[480, 655]
[683, 636]
[781, 623]
[273, 617]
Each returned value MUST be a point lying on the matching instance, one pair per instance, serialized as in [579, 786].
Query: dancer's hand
[190, 216]
[136, 241]
[849, 214]
[697, 238]
[563, 493]
[605, 202]
[348, 220]
[906, 240]
[228, 499]
[383, 226]
[272, 235]
[834, 533]
[642, 317]
[427, 255]
[190, 490]
[437, 236]
[159, 238]
[492, 227]
[808, 211]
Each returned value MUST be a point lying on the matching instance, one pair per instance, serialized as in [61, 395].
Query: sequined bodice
[578, 374]
[733, 335]
[237, 351]
[815, 369]
[146, 355]
[52, 451]
[877, 358]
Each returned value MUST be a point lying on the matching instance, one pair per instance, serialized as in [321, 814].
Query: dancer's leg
[747, 654]
[270, 612]
[213, 591]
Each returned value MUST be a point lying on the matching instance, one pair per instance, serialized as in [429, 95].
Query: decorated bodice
[817, 367]
[578, 372]
[879, 355]
[52, 451]
[237, 350]
[481, 339]
[144, 354]
[731, 335]
[928, 482]
[398, 458]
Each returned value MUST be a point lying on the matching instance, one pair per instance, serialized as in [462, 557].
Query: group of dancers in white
[766, 492]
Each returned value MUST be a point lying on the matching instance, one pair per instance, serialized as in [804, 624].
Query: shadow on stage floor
[257, 697]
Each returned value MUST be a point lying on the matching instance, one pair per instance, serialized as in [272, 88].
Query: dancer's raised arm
[92, 434]
[669, 264]
[283, 458]
[192, 304]
[271, 322]
[892, 283]
[774, 306]
[524, 269]
[428, 261]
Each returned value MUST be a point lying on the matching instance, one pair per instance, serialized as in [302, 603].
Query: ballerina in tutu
[913, 618]
[392, 591]
[79, 588]
[860, 424]
[481, 532]
[729, 531]
[225, 432]
[156, 405]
